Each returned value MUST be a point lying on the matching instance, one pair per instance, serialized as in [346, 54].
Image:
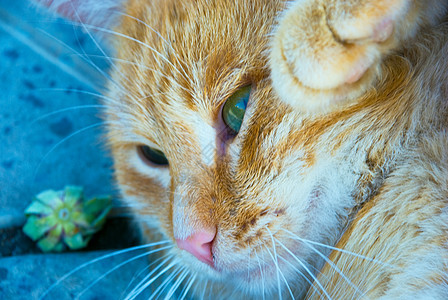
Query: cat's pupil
[153, 155]
[235, 108]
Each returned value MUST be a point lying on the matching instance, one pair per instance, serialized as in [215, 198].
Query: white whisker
[306, 269]
[188, 287]
[62, 141]
[165, 283]
[97, 95]
[89, 61]
[205, 289]
[337, 249]
[195, 289]
[261, 273]
[285, 280]
[135, 292]
[279, 256]
[124, 61]
[158, 34]
[138, 42]
[64, 110]
[97, 260]
[176, 285]
[248, 264]
[148, 26]
[134, 278]
[95, 42]
[299, 272]
[142, 281]
[119, 266]
[210, 293]
[336, 268]
[275, 259]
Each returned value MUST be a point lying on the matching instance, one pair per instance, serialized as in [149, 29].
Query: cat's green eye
[235, 108]
[153, 155]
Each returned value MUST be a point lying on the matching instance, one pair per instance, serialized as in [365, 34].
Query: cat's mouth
[268, 277]
[259, 269]
[255, 273]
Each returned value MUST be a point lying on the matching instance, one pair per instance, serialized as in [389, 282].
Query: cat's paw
[327, 53]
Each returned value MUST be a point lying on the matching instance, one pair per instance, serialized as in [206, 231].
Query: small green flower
[56, 219]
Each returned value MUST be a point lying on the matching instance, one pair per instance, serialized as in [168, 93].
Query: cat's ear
[97, 13]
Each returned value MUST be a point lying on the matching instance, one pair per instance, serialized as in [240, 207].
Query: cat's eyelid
[140, 140]
[129, 136]
[155, 172]
[240, 86]
[152, 145]
[237, 87]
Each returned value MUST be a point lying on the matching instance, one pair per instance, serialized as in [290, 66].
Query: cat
[283, 149]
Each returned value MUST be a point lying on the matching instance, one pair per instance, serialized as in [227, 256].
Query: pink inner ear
[69, 9]
[92, 12]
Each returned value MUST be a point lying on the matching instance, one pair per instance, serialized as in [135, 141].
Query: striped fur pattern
[344, 142]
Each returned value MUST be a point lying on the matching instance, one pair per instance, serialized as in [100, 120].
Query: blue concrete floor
[30, 276]
[42, 71]
[50, 136]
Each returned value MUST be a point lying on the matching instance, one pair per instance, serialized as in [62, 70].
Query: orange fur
[356, 157]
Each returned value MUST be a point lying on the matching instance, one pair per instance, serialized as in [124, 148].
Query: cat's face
[255, 189]
[251, 194]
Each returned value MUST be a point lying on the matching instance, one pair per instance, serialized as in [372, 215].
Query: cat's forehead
[183, 59]
[198, 51]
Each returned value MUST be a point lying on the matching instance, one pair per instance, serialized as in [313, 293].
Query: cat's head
[234, 186]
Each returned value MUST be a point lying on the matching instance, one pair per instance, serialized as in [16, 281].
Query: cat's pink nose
[200, 245]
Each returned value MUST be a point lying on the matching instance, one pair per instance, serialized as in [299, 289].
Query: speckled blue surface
[48, 141]
[31, 276]
[41, 66]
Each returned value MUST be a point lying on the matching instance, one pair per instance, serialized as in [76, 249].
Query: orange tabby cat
[283, 148]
